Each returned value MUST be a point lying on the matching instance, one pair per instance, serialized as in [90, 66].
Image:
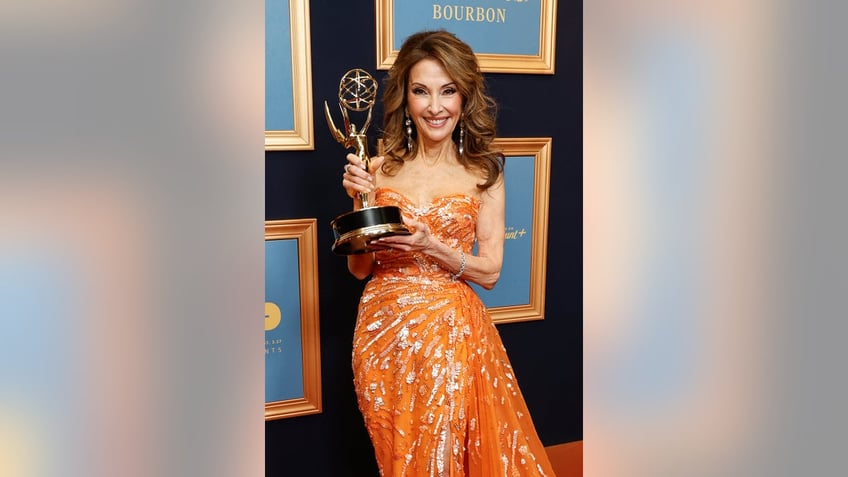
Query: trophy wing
[333, 129]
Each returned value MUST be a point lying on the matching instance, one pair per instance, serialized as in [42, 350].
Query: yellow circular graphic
[273, 316]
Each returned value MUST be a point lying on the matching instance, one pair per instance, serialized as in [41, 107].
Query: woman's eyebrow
[415, 83]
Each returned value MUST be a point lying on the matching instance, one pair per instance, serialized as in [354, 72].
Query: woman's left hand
[419, 241]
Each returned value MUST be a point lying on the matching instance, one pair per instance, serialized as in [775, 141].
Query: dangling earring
[408, 123]
[461, 137]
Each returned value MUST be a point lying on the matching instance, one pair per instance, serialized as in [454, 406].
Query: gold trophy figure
[355, 230]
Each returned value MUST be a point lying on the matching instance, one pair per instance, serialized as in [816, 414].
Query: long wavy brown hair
[479, 110]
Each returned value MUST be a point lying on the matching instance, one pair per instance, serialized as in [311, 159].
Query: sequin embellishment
[433, 380]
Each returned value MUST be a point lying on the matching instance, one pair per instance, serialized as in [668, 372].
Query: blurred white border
[713, 416]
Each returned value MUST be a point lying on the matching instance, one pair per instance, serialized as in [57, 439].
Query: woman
[432, 377]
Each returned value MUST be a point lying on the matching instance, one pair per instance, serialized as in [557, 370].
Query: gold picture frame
[302, 137]
[539, 150]
[542, 62]
[304, 233]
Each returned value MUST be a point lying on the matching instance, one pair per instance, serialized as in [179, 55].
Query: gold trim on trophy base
[355, 230]
[359, 241]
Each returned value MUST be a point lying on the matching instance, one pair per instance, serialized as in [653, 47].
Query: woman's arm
[360, 265]
[356, 180]
[485, 268]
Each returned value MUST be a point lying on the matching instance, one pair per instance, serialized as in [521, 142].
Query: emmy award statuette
[355, 230]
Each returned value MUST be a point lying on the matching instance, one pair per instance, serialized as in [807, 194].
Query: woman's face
[433, 101]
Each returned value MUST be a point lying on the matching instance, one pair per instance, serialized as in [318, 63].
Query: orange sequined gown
[432, 377]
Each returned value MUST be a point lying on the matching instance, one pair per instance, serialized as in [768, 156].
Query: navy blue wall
[546, 355]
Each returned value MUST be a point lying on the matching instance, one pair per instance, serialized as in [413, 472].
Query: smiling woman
[433, 381]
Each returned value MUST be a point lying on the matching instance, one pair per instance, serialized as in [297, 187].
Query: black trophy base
[355, 230]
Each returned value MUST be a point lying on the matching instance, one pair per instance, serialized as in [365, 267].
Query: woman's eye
[449, 91]
[418, 91]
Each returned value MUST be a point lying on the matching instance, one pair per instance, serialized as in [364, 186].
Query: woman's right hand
[356, 179]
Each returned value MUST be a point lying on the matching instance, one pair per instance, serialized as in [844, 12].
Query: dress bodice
[452, 219]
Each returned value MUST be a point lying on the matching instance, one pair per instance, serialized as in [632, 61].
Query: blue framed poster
[292, 339]
[288, 76]
[519, 294]
[508, 36]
